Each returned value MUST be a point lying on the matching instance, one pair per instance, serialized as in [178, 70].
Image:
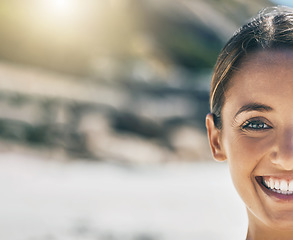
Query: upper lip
[287, 177]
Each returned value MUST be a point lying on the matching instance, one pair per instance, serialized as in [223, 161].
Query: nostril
[283, 164]
[283, 159]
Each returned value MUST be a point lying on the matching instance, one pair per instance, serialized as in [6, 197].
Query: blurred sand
[48, 199]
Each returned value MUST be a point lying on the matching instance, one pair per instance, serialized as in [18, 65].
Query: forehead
[262, 74]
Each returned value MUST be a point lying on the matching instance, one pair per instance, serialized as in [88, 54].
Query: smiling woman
[251, 121]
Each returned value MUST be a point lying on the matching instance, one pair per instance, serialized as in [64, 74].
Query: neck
[258, 230]
[280, 235]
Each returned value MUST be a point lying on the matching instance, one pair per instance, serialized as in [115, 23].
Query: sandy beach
[49, 199]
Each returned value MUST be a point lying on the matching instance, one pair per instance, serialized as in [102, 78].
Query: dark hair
[271, 29]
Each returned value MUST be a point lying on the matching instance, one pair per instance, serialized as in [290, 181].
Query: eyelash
[255, 125]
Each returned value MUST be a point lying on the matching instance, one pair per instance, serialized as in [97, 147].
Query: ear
[214, 135]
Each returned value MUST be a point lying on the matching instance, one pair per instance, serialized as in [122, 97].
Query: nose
[284, 154]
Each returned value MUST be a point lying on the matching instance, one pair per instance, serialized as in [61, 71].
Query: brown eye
[255, 125]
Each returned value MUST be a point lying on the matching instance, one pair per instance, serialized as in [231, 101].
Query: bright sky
[284, 2]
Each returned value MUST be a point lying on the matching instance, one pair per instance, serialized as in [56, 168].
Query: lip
[272, 194]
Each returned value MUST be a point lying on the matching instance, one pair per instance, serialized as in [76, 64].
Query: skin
[264, 84]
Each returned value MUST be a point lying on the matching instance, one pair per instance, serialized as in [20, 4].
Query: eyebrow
[253, 107]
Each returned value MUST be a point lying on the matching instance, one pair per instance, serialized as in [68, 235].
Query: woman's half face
[257, 136]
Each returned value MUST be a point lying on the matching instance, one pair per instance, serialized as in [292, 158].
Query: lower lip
[273, 194]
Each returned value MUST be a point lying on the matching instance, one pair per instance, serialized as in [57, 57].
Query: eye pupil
[257, 125]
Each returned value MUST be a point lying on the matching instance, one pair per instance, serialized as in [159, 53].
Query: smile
[282, 186]
[277, 187]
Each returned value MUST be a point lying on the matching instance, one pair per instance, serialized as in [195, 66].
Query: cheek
[244, 153]
[245, 150]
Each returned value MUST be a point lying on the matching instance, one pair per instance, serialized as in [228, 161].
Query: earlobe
[214, 135]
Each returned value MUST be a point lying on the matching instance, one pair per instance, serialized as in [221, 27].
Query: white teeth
[280, 186]
[267, 183]
[291, 185]
[284, 185]
[277, 185]
[272, 183]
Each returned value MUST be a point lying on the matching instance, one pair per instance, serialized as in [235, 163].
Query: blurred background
[102, 108]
